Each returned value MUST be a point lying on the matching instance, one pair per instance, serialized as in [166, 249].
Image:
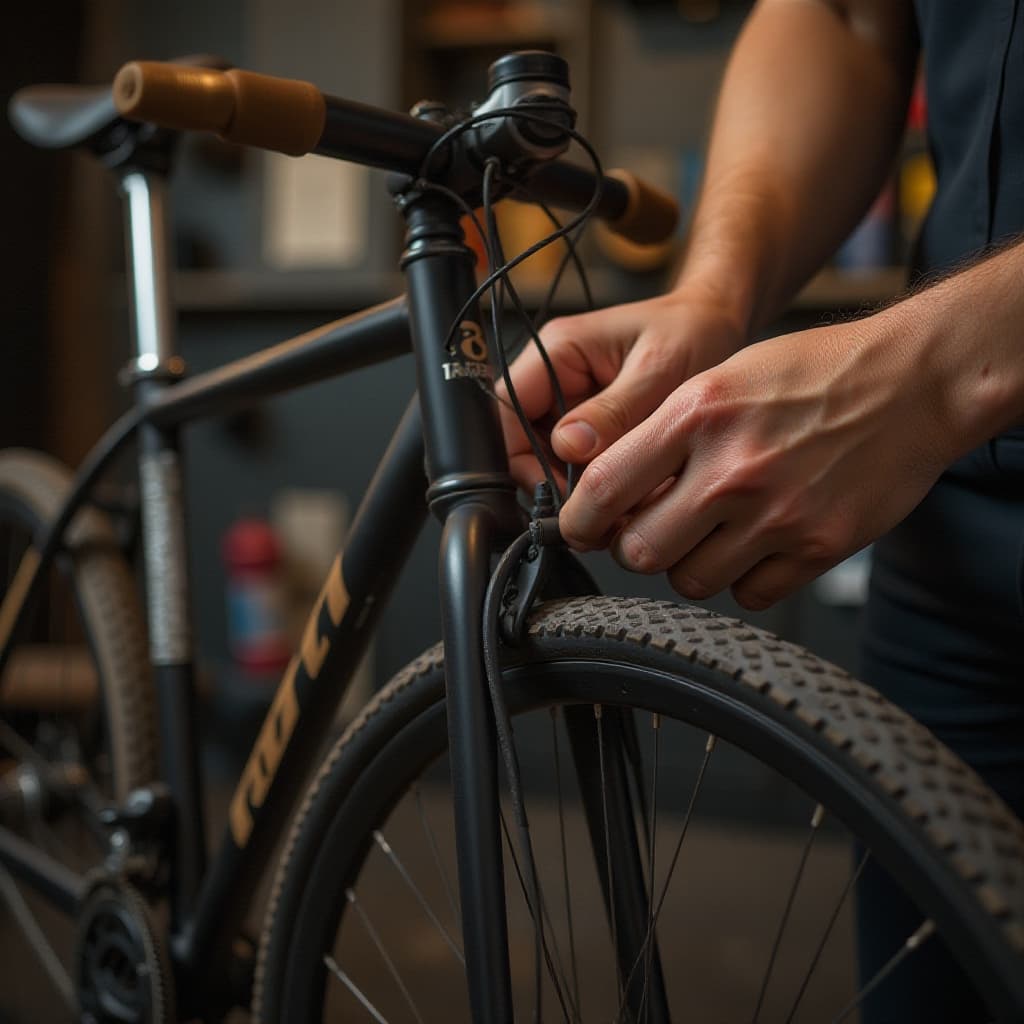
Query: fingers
[523, 462]
[731, 555]
[573, 346]
[533, 386]
[664, 532]
[615, 353]
[614, 368]
[577, 348]
[727, 554]
[619, 480]
[647, 377]
[774, 578]
[744, 552]
[527, 472]
[758, 473]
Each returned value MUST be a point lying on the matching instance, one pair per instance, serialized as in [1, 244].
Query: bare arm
[764, 471]
[765, 466]
[811, 110]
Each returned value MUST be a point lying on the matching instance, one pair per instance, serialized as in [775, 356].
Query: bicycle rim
[367, 791]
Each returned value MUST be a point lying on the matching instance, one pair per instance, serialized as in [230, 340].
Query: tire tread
[968, 826]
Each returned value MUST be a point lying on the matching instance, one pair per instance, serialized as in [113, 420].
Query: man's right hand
[615, 367]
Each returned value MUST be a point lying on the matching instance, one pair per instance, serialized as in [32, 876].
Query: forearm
[962, 339]
[810, 113]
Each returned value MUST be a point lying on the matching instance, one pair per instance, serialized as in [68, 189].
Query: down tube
[341, 622]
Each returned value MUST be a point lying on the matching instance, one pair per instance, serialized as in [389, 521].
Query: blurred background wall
[267, 247]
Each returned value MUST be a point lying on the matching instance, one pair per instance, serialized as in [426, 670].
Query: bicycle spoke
[608, 852]
[526, 873]
[918, 939]
[709, 748]
[385, 847]
[11, 560]
[331, 964]
[47, 838]
[847, 889]
[20, 748]
[558, 979]
[436, 852]
[565, 865]
[375, 936]
[652, 839]
[36, 939]
[634, 758]
[816, 819]
[61, 630]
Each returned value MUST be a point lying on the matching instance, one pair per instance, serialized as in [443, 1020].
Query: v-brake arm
[528, 577]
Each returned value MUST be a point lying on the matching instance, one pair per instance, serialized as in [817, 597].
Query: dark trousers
[944, 639]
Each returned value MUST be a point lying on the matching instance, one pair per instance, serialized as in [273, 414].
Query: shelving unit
[442, 49]
[336, 292]
[448, 45]
[512, 26]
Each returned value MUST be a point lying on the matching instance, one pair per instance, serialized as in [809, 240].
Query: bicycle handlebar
[243, 107]
[295, 117]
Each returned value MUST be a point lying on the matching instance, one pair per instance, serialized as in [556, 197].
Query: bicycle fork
[472, 493]
[469, 538]
[474, 496]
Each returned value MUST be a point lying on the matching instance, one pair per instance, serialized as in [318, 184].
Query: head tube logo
[472, 343]
[471, 354]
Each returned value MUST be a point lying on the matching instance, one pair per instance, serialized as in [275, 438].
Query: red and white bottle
[257, 631]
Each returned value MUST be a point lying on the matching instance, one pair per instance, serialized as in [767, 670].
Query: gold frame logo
[277, 729]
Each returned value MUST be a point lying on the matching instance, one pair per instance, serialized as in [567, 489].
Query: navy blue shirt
[974, 79]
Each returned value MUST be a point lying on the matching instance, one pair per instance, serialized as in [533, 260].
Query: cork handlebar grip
[651, 215]
[241, 106]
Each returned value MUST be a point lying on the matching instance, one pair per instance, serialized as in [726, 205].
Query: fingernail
[579, 437]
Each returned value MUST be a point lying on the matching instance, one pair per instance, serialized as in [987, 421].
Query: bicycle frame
[468, 487]
[453, 425]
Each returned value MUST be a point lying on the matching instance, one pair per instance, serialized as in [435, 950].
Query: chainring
[122, 970]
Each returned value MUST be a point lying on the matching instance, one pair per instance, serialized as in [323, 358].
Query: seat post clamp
[148, 367]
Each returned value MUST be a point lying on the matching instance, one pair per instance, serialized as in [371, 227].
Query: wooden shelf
[245, 291]
[213, 291]
[225, 291]
[471, 26]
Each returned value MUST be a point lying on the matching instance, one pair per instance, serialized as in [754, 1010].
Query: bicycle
[159, 935]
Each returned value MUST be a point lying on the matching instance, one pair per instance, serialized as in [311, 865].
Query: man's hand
[764, 471]
[615, 367]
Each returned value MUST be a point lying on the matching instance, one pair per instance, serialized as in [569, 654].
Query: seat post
[154, 367]
[145, 207]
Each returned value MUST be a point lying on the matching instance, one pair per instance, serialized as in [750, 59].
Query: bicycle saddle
[65, 116]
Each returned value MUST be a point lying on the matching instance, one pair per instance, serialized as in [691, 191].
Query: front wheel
[362, 922]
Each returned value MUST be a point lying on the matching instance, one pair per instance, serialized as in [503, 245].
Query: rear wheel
[77, 713]
[363, 924]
